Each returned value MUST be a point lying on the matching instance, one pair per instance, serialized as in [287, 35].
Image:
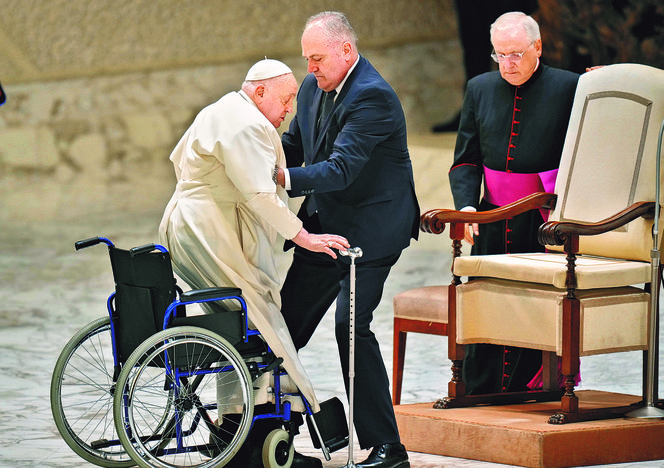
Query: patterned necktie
[325, 107]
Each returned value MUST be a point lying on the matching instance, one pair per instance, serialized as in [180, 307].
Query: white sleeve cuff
[287, 185]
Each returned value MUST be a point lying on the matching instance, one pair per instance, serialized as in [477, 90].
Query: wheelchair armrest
[558, 232]
[206, 295]
[433, 221]
[209, 294]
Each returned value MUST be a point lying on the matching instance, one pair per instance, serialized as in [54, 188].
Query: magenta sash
[502, 188]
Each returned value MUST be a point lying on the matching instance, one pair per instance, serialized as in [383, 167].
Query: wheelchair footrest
[332, 424]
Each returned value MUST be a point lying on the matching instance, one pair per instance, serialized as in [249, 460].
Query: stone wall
[56, 39]
[101, 90]
[99, 122]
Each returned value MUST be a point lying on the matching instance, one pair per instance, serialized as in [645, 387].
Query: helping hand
[471, 230]
[323, 243]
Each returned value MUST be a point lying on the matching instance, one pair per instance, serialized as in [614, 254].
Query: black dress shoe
[304, 461]
[387, 456]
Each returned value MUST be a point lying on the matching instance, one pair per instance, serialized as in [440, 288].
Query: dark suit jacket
[358, 169]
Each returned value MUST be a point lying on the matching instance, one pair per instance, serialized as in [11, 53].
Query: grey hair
[512, 18]
[336, 26]
[250, 86]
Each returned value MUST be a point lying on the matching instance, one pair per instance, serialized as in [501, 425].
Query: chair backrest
[144, 288]
[609, 156]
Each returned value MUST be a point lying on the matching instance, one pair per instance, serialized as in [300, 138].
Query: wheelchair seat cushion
[229, 324]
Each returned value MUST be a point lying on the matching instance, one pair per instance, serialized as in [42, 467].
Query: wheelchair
[148, 385]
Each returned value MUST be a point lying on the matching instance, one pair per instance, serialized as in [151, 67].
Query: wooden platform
[520, 435]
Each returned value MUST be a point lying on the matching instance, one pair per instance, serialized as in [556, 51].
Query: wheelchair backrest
[144, 288]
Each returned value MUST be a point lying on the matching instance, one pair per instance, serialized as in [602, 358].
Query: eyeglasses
[513, 57]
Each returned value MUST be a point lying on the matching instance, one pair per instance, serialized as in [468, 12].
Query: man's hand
[470, 230]
[281, 179]
[324, 243]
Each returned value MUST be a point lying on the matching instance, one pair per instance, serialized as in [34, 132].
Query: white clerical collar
[350, 70]
[247, 98]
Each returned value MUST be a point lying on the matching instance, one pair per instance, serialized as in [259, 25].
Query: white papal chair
[590, 292]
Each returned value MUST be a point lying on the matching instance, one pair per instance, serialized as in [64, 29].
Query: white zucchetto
[267, 68]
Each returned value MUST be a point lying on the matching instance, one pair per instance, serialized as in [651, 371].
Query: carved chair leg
[455, 352]
[456, 386]
[570, 360]
[399, 353]
[569, 403]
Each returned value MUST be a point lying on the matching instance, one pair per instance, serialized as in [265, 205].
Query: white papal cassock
[226, 215]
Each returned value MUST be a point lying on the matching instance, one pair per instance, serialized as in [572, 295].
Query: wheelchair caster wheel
[277, 452]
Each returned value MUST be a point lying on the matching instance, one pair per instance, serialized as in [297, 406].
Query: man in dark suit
[358, 179]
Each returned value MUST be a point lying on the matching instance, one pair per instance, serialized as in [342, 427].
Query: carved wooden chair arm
[433, 221]
[559, 232]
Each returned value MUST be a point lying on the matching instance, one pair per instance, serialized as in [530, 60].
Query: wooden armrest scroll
[433, 221]
[558, 232]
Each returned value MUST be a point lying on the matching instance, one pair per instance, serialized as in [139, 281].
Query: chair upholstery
[609, 159]
[594, 297]
[611, 319]
[548, 268]
[419, 310]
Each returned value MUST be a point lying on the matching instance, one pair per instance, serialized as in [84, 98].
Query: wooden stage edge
[520, 435]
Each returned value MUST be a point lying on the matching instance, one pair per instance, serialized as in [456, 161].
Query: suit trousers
[314, 281]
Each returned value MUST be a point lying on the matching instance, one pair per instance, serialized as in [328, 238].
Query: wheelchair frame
[157, 408]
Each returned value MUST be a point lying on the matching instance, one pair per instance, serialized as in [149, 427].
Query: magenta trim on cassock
[502, 188]
[537, 382]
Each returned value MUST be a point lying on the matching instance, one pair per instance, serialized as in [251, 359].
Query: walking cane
[650, 410]
[353, 253]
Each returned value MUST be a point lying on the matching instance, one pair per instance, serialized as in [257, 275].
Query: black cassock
[510, 141]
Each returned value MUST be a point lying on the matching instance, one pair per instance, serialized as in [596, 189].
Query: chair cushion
[551, 268]
[530, 315]
[428, 304]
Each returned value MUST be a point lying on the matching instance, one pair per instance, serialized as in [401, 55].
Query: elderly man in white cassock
[227, 213]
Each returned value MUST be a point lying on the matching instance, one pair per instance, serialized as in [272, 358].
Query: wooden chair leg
[455, 352]
[549, 371]
[399, 353]
[570, 359]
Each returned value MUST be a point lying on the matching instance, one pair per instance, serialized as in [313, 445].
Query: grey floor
[47, 291]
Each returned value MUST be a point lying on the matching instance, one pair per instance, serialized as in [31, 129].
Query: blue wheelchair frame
[282, 409]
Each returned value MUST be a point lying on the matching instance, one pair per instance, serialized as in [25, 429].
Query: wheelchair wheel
[277, 452]
[82, 390]
[202, 378]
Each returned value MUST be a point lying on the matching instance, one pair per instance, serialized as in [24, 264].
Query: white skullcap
[267, 68]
